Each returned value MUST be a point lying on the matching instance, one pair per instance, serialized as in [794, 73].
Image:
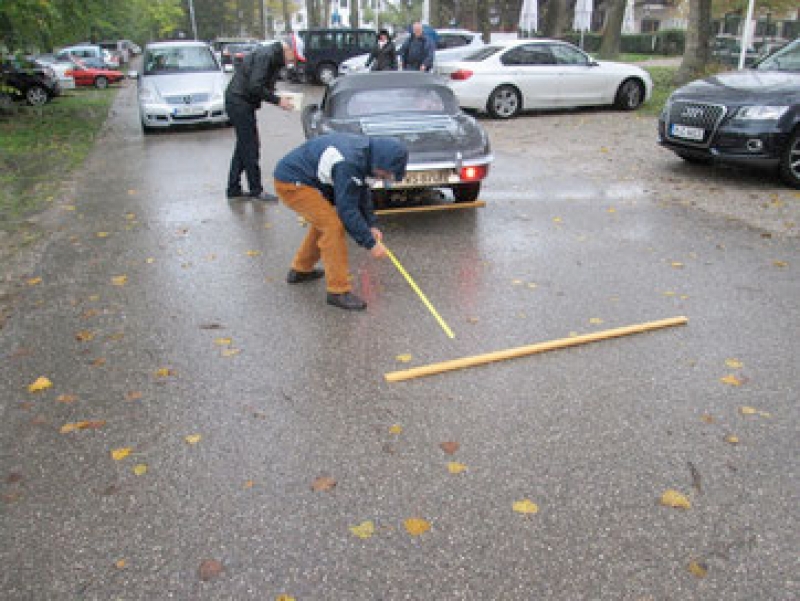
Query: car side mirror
[133, 75]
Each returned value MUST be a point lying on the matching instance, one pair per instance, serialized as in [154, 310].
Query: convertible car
[447, 148]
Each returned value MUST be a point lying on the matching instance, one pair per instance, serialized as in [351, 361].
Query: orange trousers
[326, 234]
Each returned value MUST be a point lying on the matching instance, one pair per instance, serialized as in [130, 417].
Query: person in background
[326, 181]
[253, 82]
[384, 56]
[418, 52]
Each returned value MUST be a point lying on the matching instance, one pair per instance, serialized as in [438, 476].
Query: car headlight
[761, 113]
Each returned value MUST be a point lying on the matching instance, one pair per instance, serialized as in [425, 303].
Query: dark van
[321, 51]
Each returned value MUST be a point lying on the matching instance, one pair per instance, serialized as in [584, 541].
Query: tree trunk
[287, 16]
[355, 13]
[312, 13]
[435, 12]
[554, 19]
[612, 34]
[484, 26]
[698, 36]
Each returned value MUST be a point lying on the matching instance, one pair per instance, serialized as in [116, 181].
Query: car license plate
[187, 111]
[426, 178]
[688, 133]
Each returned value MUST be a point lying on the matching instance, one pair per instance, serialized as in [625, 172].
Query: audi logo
[692, 112]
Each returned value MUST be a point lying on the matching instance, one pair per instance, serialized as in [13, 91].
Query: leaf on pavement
[41, 383]
[677, 264]
[210, 569]
[672, 498]
[416, 526]
[285, 598]
[731, 380]
[734, 363]
[121, 453]
[698, 568]
[230, 352]
[731, 439]
[120, 564]
[102, 234]
[595, 321]
[396, 429]
[34, 281]
[364, 530]
[140, 469]
[249, 484]
[780, 263]
[66, 398]
[748, 411]
[253, 253]
[82, 425]
[133, 395]
[84, 336]
[323, 484]
[526, 506]
[456, 468]
[193, 438]
[164, 372]
[405, 358]
[449, 447]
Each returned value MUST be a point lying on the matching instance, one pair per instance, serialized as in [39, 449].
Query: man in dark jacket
[418, 51]
[326, 181]
[384, 56]
[253, 82]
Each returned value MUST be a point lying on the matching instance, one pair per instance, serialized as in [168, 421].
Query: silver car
[181, 83]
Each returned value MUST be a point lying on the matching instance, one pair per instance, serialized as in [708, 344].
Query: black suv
[322, 50]
[33, 82]
[749, 117]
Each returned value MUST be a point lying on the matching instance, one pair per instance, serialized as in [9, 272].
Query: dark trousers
[247, 152]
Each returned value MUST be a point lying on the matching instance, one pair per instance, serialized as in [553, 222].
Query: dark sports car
[447, 148]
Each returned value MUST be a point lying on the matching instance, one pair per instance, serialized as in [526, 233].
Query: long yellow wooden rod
[420, 294]
[522, 351]
[455, 206]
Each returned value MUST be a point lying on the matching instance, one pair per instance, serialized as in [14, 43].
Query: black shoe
[298, 277]
[235, 194]
[347, 301]
[265, 196]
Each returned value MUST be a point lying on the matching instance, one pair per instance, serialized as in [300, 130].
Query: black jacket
[383, 59]
[254, 80]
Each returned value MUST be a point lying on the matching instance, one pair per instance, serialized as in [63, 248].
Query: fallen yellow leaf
[285, 598]
[557, 220]
[66, 398]
[731, 380]
[130, 216]
[84, 336]
[102, 234]
[120, 454]
[193, 438]
[672, 498]
[747, 411]
[253, 253]
[780, 263]
[364, 529]
[731, 439]
[596, 321]
[41, 383]
[526, 506]
[396, 429]
[133, 395]
[403, 358]
[734, 363]
[230, 352]
[164, 372]
[698, 568]
[120, 563]
[611, 210]
[677, 264]
[82, 425]
[149, 260]
[34, 281]
[249, 484]
[140, 469]
[456, 468]
[223, 341]
[416, 526]
[119, 280]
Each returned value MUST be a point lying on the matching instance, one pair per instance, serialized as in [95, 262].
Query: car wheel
[100, 82]
[36, 96]
[504, 102]
[147, 130]
[630, 95]
[466, 192]
[694, 160]
[326, 73]
[790, 161]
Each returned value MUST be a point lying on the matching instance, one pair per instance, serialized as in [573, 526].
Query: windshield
[482, 54]
[786, 59]
[363, 103]
[183, 59]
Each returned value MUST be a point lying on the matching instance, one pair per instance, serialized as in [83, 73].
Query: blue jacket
[338, 165]
[417, 51]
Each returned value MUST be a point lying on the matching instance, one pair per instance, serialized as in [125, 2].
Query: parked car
[181, 83]
[99, 78]
[233, 54]
[727, 49]
[62, 71]
[749, 117]
[507, 77]
[451, 45]
[120, 48]
[447, 148]
[36, 84]
[320, 51]
[218, 45]
[90, 55]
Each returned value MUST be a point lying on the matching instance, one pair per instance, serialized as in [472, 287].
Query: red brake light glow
[473, 173]
[461, 75]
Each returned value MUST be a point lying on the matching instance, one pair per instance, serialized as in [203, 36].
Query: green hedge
[666, 42]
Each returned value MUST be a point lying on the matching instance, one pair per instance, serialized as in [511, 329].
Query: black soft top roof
[385, 79]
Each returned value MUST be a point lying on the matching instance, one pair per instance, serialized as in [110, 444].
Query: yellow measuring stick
[420, 294]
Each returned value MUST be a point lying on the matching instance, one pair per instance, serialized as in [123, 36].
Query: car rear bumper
[164, 115]
[442, 173]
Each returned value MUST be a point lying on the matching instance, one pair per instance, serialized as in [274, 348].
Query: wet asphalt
[204, 338]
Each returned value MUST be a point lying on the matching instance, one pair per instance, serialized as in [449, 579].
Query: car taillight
[69, 73]
[461, 74]
[473, 173]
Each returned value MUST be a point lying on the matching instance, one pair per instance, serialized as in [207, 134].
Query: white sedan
[507, 77]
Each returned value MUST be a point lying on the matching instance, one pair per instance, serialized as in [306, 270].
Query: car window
[366, 40]
[786, 59]
[482, 54]
[529, 55]
[322, 41]
[363, 103]
[567, 55]
[187, 59]
[451, 40]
